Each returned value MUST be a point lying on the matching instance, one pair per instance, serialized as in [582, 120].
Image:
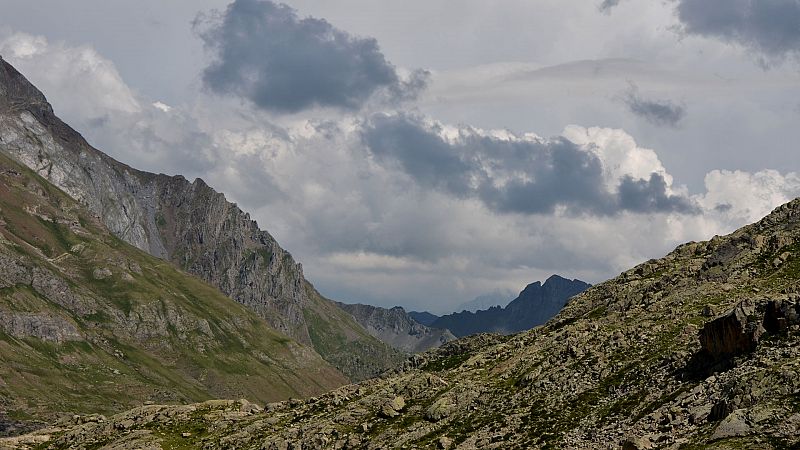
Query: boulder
[735, 425]
[393, 407]
[439, 410]
[636, 443]
[101, 274]
[732, 334]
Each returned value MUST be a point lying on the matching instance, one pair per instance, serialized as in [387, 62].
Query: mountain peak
[555, 279]
[17, 93]
[535, 305]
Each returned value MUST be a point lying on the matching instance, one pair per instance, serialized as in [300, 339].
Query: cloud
[657, 112]
[91, 82]
[87, 91]
[608, 5]
[386, 227]
[516, 174]
[744, 197]
[282, 63]
[651, 195]
[769, 28]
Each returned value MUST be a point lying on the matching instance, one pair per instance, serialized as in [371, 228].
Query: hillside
[535, 305]
[89, 323]
[397, 328]
[699, 349]
[187, 223]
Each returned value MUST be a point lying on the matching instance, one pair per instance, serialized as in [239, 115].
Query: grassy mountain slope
[699, 349]
[89, 323]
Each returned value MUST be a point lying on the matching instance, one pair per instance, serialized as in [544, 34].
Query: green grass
[447, 363]
[597, 313]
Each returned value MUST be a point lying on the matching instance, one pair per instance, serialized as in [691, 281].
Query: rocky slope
[699, 349]
[187, 223]
[89, 323]
[535, 305]
[396, 327]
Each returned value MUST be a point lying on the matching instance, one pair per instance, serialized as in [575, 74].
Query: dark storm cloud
[769, 27]
[657, 112]
[512, 176]
[268, 55]
[608, 5]
[723, 207]
[650, 195]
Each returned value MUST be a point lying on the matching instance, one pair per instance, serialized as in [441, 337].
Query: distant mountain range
[488, 300]
[417, 331]
[423, 317]
[534, 306]
[397, 328]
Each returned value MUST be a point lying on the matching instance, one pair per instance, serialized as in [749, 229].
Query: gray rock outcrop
[732, 334]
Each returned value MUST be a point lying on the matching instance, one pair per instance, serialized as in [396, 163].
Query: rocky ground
[698, 349]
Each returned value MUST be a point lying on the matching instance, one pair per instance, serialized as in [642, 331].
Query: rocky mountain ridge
[423, 317]
[534, 306]
[187, 223]
[699, 349]
[397, 328]
[90, 324]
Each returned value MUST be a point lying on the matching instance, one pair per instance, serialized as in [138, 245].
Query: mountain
[89, 323]
[188, 224]
[699, 349]
[486, 301]
[538, 303]
[535, 305]
[423, 317]
[397, 328]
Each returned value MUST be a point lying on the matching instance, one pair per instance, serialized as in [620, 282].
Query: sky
[425, 153]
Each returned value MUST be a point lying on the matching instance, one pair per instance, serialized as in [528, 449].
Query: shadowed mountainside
[535, 305]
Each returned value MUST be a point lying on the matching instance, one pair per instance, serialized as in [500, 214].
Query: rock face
[616, 367]
[187, 223]
[732, 334]
[535, 305]
[739, 331]
[89, 323]
[395, 327]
